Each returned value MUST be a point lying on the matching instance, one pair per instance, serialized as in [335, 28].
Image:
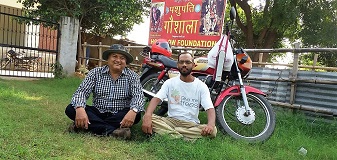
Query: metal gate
[28, 47]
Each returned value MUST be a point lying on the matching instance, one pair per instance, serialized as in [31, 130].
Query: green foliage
[266, 24]
[319, 24]
[327, 59]
[33, 125]
[319, 30]
[83, 70]
[100, 17]
[58, 71]
[312, 21]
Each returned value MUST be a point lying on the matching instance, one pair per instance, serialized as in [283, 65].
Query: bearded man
[185, 94]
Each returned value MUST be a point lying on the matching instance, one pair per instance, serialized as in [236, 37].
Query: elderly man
[117, 97]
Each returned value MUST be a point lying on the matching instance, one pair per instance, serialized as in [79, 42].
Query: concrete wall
[68, 44]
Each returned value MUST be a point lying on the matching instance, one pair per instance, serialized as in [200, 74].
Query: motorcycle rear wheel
[148, 84]
[256, 127]
[33, 66]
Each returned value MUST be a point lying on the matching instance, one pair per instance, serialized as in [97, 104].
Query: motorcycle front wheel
[256, 125]
[4, 63]
[148, 83]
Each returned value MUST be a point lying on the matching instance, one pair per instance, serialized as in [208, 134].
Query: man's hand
[211, 123]
[147, 124]
[81, 119]
[208, 130]
[147, 118]
[128, 119]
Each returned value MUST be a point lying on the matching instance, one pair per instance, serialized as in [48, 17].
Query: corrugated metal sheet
[320, 95]
[275, 90]
[309, 94]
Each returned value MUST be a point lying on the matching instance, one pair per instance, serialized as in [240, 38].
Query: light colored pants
[178, 128]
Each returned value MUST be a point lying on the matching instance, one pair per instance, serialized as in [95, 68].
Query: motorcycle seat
[168, 62]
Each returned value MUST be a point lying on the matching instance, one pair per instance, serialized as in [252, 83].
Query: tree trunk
[265, 39]
[79, 44]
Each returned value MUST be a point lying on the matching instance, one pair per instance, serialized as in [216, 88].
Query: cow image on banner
[156, 16]
[211, 16]
[187, 23]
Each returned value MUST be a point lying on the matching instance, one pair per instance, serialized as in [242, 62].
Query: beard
[185, 73]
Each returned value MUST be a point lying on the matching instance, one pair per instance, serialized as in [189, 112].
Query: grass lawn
[33, 125]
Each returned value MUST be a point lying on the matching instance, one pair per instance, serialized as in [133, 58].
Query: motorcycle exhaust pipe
[151, 94]
[148, 93]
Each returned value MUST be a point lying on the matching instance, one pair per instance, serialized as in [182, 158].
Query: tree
[319, 30]
[268, 23]
[326, 59]
[100, 17]
[319, 21]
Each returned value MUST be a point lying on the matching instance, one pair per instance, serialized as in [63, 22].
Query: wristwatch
[78, 107]
[135, 109]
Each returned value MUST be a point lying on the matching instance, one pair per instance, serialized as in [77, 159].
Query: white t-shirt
[184, 98]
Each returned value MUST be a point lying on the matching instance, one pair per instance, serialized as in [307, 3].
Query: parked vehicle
[19, 60]
[241, 111]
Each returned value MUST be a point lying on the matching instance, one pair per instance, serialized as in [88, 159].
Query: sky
[140, 32]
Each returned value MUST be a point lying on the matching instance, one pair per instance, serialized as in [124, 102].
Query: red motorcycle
[241, 111]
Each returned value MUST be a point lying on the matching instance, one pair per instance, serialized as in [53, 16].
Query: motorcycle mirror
[146, 49]
[232, 13]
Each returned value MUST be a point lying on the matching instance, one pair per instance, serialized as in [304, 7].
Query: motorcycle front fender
[235, 90]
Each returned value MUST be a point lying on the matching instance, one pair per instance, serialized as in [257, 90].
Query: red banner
[187, 23]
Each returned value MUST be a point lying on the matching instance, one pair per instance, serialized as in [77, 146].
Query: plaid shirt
[110, 95]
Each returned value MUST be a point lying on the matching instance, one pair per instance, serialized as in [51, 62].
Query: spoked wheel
[4, 63]
[148, 84]
[256, 124]
[34, 65]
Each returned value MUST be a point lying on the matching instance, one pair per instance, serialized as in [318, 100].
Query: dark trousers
[101, 123]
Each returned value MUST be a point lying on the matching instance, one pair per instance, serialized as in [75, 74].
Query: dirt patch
[19, 78]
